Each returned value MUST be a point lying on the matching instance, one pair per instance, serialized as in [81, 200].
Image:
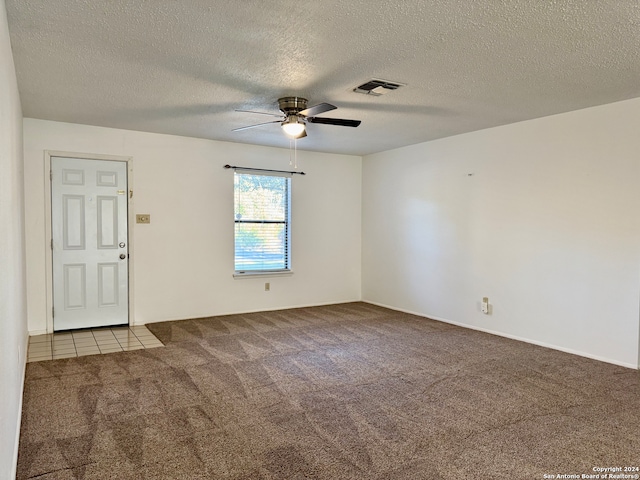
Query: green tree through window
[261, 217]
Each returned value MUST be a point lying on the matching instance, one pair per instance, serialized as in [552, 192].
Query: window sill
[282, 273]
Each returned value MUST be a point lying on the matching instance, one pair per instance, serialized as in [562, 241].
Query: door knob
[122, 256]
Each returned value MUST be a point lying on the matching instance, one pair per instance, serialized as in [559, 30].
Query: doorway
[89, 242]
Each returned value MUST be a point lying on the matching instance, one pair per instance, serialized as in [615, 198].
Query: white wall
[13, 317]
[543, 217]
[183, 260]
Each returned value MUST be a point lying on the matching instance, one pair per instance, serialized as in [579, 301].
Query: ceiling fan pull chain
[290, 156]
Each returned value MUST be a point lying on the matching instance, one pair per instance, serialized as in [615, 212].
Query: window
[261, 216]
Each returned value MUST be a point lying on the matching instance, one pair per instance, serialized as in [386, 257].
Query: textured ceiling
[182, 66]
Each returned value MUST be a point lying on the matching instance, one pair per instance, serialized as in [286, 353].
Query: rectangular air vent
[377, 87]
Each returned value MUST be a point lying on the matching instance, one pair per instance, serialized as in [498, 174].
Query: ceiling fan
[295, 115]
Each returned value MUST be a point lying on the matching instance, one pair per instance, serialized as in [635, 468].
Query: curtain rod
[263, 170]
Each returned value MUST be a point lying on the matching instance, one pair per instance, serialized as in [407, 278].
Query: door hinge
[52, 244]
[130, 193]
[50, 174]
[53, 312]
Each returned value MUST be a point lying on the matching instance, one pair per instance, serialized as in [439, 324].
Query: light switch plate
[143, 218]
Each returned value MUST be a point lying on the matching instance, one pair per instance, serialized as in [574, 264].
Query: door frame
[49, 225]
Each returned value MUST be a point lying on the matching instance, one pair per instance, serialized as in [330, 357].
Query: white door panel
[90, 258]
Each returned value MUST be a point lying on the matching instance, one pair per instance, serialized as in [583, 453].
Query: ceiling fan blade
[260, 113]
[334, 121]
[256, 125]
[317, 109]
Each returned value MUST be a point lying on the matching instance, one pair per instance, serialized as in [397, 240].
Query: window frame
[286, 223]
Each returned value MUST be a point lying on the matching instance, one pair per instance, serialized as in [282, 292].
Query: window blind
[261, 217]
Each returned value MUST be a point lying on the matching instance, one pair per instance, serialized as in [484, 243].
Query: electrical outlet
[267, 287]
[484, 306]
[143, 218]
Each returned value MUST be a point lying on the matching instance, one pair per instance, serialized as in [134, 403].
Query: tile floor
[93, 341]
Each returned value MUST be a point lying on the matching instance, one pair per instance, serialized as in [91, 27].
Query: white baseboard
[33, 333]
[242, 312]
[16, 447]
[512, 337]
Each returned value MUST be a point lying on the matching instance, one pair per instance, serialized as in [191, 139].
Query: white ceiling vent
[377, 87]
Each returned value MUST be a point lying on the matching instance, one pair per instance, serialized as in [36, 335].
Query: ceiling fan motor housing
[292, 105]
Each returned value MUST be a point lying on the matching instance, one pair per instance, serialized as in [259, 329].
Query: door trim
[49, 232]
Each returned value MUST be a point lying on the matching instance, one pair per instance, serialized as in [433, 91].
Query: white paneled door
[90, 243]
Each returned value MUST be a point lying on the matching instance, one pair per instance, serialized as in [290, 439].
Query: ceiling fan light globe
[293, 127]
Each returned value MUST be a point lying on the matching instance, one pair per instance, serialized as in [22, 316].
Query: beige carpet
[349, 391]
